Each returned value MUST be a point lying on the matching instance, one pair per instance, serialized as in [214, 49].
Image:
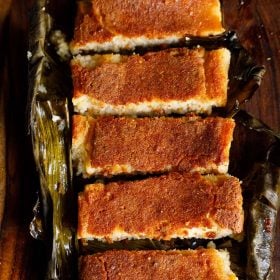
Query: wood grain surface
[257, 23]
[20, 255]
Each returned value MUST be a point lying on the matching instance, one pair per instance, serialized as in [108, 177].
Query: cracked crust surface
[203, 264]
[163, 207]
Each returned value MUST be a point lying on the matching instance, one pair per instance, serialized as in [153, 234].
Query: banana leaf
[254, 155]
[49, 90]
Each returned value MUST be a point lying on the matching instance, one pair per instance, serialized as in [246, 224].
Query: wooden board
[257, 23]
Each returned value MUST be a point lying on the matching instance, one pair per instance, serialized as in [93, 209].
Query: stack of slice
[123, 127]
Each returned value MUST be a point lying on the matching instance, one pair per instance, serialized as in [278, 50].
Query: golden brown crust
[152, 19]
[157, 144]
[158, 207]
[216, 74]
[203, 264]
[80, 126]
[177, 74]
[82, 131]
[163, 75]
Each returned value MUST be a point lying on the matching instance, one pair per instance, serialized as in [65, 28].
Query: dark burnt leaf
[262, 221]
[50, 87]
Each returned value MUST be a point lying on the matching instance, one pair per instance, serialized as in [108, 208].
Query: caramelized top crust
[216, 67]
[156, 144]
[159, 207]
[203, 264]
[177, 74]
[104, 19]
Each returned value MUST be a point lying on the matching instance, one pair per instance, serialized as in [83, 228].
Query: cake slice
[112, 25]
[169, 81]
[110, 146]
[177, 205]
[202, 264]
